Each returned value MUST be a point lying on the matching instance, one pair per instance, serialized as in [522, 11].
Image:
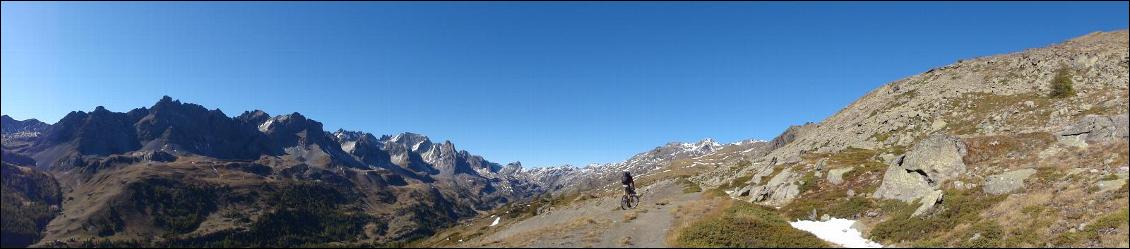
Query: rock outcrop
[1095, 128]
[938, 157]
[780, 189]
[1007, 182]
[901, 184]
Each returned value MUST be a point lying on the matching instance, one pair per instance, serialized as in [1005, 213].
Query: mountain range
[1021, 149]
[120, 170]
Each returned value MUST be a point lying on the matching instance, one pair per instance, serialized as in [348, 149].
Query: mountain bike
[629, 201]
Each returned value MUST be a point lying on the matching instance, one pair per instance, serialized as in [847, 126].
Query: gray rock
[825, 217]
[887, 158]
[1073, 140]
[780, 189]
[1007, 182]
[937, 125]
[835, 176]
[901, 184]
[1095, 128]
[743, 191]
[928, 202]
[1111, 185]
[938, 156]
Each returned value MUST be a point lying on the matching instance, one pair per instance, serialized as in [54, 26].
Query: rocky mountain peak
[255, 117]
[415, 142]
[11, 126]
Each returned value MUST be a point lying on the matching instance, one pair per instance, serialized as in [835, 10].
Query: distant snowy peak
[348, 136]
[748, 141]
[415, 142]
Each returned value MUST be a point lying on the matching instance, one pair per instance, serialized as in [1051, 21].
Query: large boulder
[938, 157]
[1007, 182]
[780, 189]
[1095, 128]
[901, 184]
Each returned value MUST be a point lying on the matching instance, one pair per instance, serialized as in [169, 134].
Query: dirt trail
[596, 223]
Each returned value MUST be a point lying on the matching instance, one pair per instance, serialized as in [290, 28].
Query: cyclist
[629, 184]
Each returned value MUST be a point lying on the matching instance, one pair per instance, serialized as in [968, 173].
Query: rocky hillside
[179, 174]
[1020, 149]
[1027, 149]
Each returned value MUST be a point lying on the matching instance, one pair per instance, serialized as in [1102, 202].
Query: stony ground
[595, 222]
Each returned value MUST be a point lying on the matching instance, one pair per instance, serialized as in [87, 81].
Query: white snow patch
[837, 231]
[496, 219]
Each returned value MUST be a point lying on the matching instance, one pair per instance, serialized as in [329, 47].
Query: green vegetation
[959, 207]
[174, 206]
[306, 214]
[107, 223]
[1028, 235]
[981, 107]
[1022, 148]
[985, 234]
[1061, 84]
[851, 156]
[739, 181]
[744, 224]
[809, 180]
[26, 200]
[863, 161]
[688, 186]
[1110, 221]
[1109, 177]
[835, 204]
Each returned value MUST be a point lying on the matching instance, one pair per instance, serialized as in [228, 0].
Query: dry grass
[686, 214]
[980, 107]
[630, 215]
[1007, 151]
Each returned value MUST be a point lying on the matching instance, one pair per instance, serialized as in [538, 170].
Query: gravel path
[597, 223]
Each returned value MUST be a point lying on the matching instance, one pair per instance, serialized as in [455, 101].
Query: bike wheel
[625, 203]
[634, 201]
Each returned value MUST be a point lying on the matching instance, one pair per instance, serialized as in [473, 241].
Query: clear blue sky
[543, 83]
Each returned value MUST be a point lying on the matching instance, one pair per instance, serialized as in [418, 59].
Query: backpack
[625, 179]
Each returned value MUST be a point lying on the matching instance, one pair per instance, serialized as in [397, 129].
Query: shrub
[745, 225]
[988, 234]
[688, 186]
[1061, 84]
[958, 207]
[809, 180]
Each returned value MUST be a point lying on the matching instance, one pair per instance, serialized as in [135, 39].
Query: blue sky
[543, 83]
